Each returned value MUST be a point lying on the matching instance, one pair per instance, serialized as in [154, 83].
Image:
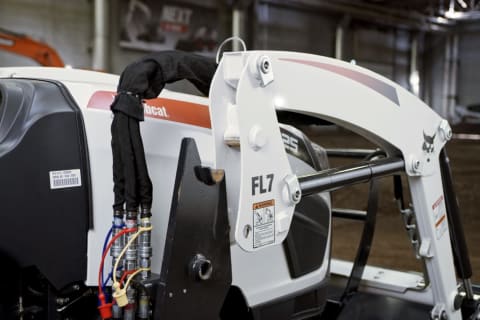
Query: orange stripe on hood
[160, 108]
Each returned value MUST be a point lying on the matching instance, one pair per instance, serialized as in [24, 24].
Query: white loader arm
[262, 190]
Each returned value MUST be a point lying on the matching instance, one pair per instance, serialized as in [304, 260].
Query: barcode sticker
[65, 179]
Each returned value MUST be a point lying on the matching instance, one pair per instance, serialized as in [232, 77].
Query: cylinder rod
[350, 214]
[336, 178]
[349, 153]
[457, 233]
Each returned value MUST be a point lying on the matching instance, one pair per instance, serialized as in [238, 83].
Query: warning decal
[263, 223]
[440, 216]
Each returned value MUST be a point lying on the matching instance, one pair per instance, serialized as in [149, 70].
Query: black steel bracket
[196, 269]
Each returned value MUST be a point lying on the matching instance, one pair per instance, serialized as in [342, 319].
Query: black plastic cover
[307, 239]
[41, 130]
[305, 305]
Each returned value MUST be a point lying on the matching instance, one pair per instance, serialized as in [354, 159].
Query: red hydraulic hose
[105, 308]
[124, 231]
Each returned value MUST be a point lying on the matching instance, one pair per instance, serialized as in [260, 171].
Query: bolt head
[445, 130]
[296, 195]
[416, 164]
[246, 230]
[444, 316]
[264, 64]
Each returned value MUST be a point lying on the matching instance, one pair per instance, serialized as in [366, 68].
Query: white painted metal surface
[407, 286]
[259, 205]
[242, 98]
[269, 280]
[263, 275]
[365, 103]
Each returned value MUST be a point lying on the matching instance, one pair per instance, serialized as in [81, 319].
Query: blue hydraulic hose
[107, 238]
[105, 243]
[104, 284]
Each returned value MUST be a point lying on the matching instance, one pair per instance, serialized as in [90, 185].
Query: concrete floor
[391, 247]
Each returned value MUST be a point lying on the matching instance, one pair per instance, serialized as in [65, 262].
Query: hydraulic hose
[144, 79]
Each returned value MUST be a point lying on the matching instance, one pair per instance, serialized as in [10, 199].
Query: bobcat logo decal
[428, 143]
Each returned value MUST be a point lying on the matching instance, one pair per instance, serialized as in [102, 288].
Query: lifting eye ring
[231, 39]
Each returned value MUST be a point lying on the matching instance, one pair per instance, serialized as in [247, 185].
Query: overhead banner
[155, 25]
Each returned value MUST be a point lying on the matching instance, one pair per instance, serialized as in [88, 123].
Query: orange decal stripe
[439, 222]
[160, 108]
[437, 203]
[264, 204]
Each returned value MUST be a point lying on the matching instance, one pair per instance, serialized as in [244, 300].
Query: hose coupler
[145, 212]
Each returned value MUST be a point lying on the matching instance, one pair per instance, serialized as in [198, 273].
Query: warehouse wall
[383, 50]
[434, 62]
[469, 65]
[64, 25]
[468, 62]
[68, 27]
[286, 28]
[121, 57]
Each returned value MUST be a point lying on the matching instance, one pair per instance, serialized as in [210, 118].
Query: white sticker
[263, 223]
[439, 216]
[65, 179]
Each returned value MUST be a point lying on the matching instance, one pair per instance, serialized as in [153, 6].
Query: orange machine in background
[25, 46]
